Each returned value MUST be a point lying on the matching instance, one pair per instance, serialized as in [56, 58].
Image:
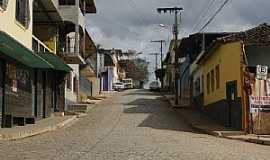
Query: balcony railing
[38, 46]
[72, 52]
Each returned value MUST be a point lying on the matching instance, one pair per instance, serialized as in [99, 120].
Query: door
[105, 82]
[231, 94]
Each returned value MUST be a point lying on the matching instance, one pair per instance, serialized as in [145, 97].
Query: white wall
[71, 96]
[11, 26]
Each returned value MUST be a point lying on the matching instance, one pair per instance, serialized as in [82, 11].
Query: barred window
[3, 4]
[23, 12]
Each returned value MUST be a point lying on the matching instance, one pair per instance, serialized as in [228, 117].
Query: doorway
[231, 95]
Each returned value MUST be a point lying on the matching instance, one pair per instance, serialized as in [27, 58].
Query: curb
[30, 133]
[217, 133]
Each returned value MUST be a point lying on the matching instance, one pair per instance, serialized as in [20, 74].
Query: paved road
[134, 125]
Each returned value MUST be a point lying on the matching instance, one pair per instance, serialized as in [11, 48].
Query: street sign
[261, 72]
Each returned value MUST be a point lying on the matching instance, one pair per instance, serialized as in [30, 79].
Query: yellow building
[228, 67]
[222, 83]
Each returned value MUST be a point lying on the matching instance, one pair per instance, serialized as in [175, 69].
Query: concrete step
[78, 107]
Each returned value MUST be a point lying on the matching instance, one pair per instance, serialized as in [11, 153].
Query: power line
[214, 16]
[203, 14]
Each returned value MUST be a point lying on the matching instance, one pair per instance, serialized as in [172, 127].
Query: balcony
[71, 52]
[38, 46]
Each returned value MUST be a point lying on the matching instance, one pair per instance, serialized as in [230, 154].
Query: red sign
[260, 100]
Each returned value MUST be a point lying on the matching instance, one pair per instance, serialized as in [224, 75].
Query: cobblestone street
[133, 125]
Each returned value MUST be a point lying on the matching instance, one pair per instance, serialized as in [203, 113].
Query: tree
[137, 69]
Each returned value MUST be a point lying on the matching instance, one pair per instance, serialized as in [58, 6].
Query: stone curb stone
[217, 133]
[30, 133]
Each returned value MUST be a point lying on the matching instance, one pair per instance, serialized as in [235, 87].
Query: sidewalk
[203, 124]
[42, 126]
[51, 123]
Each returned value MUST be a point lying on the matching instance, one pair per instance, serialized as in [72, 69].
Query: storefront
[55, 82]
[29, 83]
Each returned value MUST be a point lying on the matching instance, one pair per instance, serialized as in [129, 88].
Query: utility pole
[161, 59]
[156, 55]
[174, 10]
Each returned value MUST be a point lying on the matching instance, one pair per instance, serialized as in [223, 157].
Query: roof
[90, 6]
[259, 36]
[13, 50]
[90, 47]
[45, 11]
[57, 63]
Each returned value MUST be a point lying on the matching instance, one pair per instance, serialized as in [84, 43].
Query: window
[197, 86]
[23, 12]
[69, 78]
[202, 87]
[208, 83]
[217, 76]
[212, 80]
[3, 4]
[66, 2]
[75, 84]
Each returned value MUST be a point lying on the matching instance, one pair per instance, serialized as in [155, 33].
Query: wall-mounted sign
[261, 72]
[259, 101]
[14, 87]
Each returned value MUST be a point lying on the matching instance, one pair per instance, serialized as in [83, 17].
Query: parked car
[128, 83]
[154, 86]
[118, 86]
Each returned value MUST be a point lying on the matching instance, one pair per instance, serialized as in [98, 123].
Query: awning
[57, 63]
[12, 49]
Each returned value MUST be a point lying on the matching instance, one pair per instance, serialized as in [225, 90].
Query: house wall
[227, 57]
[216, 104]
[11, 26]
[70, 94]
[95, 85]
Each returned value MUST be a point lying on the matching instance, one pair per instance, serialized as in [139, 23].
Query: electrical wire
[203, 14]
[214, 15]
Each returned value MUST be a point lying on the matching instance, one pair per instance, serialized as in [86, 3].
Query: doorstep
[41, 126]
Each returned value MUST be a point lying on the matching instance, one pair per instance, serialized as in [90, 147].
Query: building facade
[26, 76]
[72, 38]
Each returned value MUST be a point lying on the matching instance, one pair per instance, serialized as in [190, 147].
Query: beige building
[27, 73]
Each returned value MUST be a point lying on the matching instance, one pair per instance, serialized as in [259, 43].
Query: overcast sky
[132, 24]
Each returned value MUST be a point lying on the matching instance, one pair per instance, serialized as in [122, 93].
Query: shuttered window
[3, 4]
[212, 80]
[208, 83]
[217, 77]
[23, 12]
